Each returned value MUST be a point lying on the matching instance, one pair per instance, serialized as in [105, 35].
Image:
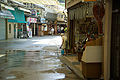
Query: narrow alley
[33, 59]
[59, 39]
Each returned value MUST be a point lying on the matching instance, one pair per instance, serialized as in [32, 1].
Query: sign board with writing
[31, 20]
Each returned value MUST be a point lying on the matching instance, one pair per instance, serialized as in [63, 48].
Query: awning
[7, 7]
[19, 16]
[6, 14]
[51, 16]
[25, 10]
[61, 22]
[16, 2]
[50, 10]
[45, 2]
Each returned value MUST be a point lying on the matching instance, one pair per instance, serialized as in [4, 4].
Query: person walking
[52, 31]
[64, 43]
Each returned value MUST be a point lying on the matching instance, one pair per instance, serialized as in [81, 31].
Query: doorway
[115, 42]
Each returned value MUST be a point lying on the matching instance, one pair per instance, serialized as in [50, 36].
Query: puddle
[50, 48]
[10, 77]
[30, 65]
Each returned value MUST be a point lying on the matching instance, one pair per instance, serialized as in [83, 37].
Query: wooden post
[34, 29]
[6, 25]
[107, 39]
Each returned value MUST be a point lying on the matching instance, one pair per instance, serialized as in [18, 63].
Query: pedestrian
[52, 31]
[62, 29]
[64, 43]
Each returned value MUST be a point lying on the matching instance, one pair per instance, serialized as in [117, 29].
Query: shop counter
[92, 61]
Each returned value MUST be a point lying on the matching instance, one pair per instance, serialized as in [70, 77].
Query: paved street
[33, 59]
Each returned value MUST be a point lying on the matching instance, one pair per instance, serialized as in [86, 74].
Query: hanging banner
[31, 20]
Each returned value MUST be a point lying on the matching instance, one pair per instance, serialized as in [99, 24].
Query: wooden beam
[107, 39]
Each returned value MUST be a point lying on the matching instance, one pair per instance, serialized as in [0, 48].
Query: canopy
[45, 2]
[6, 14]
[19, 16]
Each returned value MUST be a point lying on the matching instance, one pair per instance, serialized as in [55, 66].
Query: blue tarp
[19, 16]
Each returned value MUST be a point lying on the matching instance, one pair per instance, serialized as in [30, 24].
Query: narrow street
[33, 59]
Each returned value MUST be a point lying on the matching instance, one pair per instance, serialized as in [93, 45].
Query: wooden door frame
[107, 39]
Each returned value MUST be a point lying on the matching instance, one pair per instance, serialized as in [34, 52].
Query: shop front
[2, 29]
[4, 15]
[43, 27]
[52, 22]
[85, 35]
[17, 24]
[32, 25]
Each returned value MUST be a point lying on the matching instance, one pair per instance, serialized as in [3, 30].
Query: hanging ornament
[99, 12]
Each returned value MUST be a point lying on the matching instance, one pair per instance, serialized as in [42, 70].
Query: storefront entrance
[115, 41]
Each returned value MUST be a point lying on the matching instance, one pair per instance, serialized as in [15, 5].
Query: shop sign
[33, 12]
[32, 20]
[43, 20]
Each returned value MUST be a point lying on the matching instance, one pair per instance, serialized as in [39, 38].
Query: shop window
[9, 28]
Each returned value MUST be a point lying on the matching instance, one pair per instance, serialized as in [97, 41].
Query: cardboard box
[91, 43]
[91, 70]
[99, 41]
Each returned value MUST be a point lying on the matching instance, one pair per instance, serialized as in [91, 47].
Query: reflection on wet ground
[33, 65]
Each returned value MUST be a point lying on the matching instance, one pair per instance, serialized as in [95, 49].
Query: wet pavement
[33, 59]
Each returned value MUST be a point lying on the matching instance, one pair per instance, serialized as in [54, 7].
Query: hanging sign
[32, 20]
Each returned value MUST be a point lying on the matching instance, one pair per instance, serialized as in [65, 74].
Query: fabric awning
[45, 2]
[7, 7]
[19, 16]
[6, 14]
[61, 22]
[25, 10]
[16, 2]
